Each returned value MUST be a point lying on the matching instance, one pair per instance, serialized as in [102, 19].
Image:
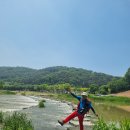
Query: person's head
[84, 95]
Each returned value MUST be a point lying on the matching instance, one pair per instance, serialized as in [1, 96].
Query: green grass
[111, 99]
[102, 125]
[125, 125]
[104, 99]
[114, 100]
[17, 121]
[6, 92]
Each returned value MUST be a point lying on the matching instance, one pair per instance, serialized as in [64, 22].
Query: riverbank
[108, 107]
[50, 114]
[126, 108]
[115, 99]
[42, 118]
[120, 102]
[3, 92]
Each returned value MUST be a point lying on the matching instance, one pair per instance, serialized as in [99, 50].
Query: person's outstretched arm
[77, 97]
[94, 111]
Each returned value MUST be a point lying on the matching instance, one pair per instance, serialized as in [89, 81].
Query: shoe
[60, 122]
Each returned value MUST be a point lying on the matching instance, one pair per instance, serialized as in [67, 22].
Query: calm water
[46, 118]
[111, 113]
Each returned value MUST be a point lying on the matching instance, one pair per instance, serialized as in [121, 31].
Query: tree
[118, 85]
[93, 88]
[1, 84]
[127, 76]
[103, 89]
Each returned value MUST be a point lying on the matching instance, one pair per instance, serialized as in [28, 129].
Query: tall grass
[125, 124]
[102, 125]
[17, 121]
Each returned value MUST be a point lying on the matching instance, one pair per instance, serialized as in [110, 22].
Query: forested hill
[54, 75]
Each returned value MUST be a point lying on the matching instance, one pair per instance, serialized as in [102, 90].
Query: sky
[88, 34]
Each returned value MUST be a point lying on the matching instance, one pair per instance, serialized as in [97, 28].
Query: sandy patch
[123, 94]
[126, 108]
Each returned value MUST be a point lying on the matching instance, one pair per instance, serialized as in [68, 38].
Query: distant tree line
[55, 79]
[57, 88]
[114, 86]
[54, 75]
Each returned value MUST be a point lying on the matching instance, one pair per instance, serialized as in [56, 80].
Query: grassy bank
[67, 97]
[2, 92]
[111, 99]
[115, 100]
[102, 125]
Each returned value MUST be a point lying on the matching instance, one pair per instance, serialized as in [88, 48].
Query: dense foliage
[55, 79]
[54, 75]
[127, 76]
[15, 74]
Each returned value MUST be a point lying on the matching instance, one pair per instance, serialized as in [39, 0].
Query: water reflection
[46, 118]
[111, 113]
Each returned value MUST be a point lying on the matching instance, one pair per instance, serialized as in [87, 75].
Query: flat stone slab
[77, 128]
[76, 123]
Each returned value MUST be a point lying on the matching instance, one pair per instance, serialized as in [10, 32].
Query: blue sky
[89, 34]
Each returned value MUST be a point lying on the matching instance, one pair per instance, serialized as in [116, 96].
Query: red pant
[73, 115]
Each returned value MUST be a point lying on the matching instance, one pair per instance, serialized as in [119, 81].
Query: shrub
[41, 104]
[1, 117]
[43, 100]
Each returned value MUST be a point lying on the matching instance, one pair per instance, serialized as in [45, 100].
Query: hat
[84, 94]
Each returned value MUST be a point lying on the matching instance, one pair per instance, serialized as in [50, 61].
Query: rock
[77, 128]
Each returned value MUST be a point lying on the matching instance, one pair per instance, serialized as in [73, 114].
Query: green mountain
[54, 75]
[16, 74]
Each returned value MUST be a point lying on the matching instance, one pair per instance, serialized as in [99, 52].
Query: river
[46, 118]
[42, 118]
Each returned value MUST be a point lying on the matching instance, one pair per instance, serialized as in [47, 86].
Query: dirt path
[123, 94]
[126, 108]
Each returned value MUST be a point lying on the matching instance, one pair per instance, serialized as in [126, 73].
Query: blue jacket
[84, 105]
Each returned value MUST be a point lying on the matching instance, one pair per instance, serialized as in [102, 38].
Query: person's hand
[97, 116]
